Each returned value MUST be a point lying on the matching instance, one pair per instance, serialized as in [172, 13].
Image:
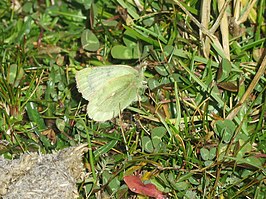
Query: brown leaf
[229, 86]
[135, 184]
[50, 134]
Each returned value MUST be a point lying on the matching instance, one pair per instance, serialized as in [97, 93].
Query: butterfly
[109, 89]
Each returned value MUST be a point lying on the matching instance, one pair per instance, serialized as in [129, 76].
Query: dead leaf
[229, 86]
[135, 184]
[50, 134]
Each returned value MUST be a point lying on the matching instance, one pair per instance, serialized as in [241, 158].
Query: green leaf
[37, 120]
[86, 3]
[27, 7]
[180, 186]
[147, 144]
[212, 153]
[153, 83]
[192, 180]
[253, 161]
[60, 124]
[247, 148]
[113, 184]
[89, 41]
[129, 40]
[204, 153]
[34, 116]
[25, 29]
[148, 21]
[162, 70]
[225, 129]
[19, 77]
[156, 137]
[207, 163]
[140, 35]
[123, 52]
[12, 73]
[105, 148]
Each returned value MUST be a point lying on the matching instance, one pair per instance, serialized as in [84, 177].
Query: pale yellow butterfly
[109, 89]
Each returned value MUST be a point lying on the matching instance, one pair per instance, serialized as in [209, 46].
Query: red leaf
[135, 184]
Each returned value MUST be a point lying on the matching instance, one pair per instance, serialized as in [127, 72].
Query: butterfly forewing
[110, 105]
[93, 80]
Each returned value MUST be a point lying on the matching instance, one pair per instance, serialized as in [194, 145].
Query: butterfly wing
[109, 89]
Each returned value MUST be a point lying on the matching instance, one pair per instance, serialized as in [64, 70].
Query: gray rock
[38, 176]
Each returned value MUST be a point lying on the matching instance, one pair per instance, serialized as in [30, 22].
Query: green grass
[199, 131]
